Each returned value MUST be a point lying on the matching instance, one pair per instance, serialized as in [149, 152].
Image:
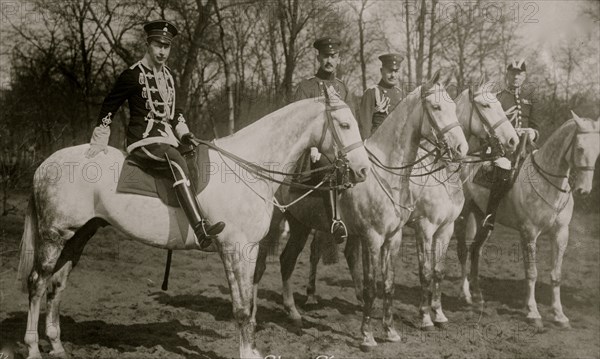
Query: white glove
[95, 149]
[315, 155]
[533, 134]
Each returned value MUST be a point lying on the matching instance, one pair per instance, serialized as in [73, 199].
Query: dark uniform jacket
[315, 86]
[152, 106]
[377, 102]
[518, 108]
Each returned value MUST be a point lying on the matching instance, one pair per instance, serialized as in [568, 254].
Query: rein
[339, 165]
[545, 173]
[440, 146]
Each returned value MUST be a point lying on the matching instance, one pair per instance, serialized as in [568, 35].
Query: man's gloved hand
[532, 133]
[95, 149]
[315, 155]
[189, 139]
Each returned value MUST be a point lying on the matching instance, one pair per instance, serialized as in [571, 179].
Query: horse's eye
[436, 107]
[486, 105]
[344, 125]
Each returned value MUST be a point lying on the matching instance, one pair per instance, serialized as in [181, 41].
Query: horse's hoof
[441, 325]
[368, 343]
[60, 354]
[367, 348]
[311, 301]
[428, 328]
[563, 325]
[393, 337]
[296, 322]
[537, 323]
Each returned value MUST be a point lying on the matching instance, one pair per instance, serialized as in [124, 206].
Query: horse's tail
[30, 235]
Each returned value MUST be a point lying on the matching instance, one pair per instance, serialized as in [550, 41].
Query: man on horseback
[325, 80]
[156, 126]
[379, 100]
[518, 109]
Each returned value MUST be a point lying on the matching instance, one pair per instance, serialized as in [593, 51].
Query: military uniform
[153, 114]
[315, 86]
[517, 107]
[155, 124]
[379, 100]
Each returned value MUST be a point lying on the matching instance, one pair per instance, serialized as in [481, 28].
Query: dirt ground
[113, 306]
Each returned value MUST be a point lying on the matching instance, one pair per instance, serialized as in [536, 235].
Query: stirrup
[211, 230]
[336, 225]
[486, 224]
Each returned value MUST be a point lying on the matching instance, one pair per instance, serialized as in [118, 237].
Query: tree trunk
[361, 34]
[431, 51]
[420, 49]
[408, 47]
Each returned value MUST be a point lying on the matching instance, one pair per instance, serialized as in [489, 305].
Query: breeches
[157, 153]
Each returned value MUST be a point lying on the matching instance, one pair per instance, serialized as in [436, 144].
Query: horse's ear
[448, 77]
[431, 82]
[436, 77]
[577, 119]
[481, 81]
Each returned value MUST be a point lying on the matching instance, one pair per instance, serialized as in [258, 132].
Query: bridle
[340, 161]
[576, 167]
[440, 141]
[492, 136]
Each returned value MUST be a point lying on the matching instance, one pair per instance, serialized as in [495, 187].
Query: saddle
[154, 179]
[485, 175]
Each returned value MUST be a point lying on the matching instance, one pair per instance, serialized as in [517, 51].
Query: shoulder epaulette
[135, 65]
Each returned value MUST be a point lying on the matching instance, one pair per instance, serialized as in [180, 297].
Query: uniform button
[384, 91]
[519, 107]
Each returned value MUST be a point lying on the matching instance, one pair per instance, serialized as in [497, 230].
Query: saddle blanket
[156, 180]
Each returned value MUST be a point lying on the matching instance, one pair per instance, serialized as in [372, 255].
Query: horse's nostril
[363, 172]
[512, 142]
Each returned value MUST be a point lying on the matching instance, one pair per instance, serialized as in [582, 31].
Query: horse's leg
[68, 259]
[45, 261]
[266, 246]
[389, 254]
[481, 236]
[58, 283]
[559, 245]
[289, 256]
[370, 257]
[440, 245]
[528, 244]
[239, 268]
[315, 256]
[424, 237]
[465, 230]
[352, 254]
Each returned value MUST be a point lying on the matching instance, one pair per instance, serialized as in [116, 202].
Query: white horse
[371, 209]
[439, 197]
[437, 200]
[68, 206]
[540, 202]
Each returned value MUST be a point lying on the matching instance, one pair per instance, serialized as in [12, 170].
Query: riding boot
[202, 228]
[338, 228]
[500, 188]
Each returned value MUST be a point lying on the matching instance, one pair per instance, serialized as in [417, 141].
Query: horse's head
[481, 115]
[440, 112]
[340, 139]
[583, 153]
